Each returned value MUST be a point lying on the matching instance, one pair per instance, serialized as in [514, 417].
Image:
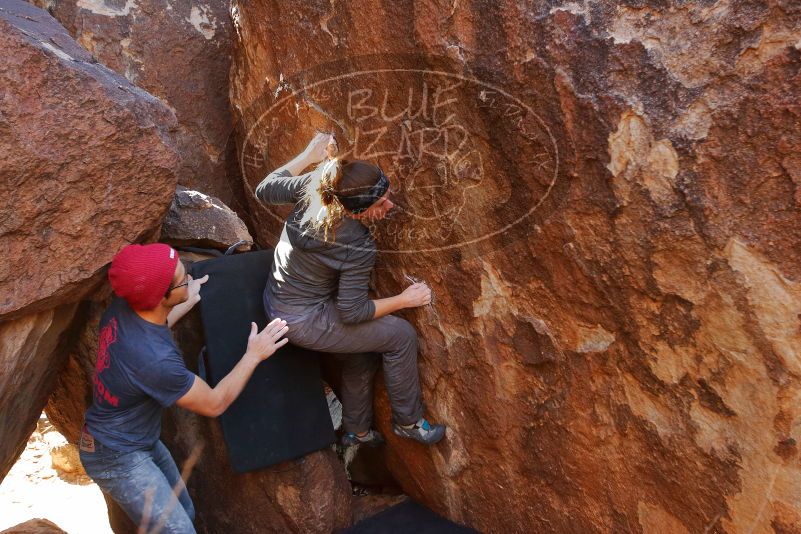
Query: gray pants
[355, 345]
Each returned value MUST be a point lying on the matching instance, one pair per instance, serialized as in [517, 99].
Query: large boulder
[181, 53]
[605, 199]
[86, 163]
[30, 360]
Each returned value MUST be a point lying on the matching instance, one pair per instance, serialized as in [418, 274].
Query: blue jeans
[142, 483]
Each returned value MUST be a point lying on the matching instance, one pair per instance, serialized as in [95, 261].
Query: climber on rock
[139, 371]
[319, 285]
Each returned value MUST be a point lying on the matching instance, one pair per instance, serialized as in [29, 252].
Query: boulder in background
[201, 220]
[180, 52]
[87, 163]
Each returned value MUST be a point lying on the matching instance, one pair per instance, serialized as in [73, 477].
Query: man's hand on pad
[262, 345]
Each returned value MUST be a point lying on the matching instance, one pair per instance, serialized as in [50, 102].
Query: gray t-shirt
[308, 270]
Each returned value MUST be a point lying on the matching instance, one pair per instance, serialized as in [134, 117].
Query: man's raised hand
[193, 288]
[262, 345]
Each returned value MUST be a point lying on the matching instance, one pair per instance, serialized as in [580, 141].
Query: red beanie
[141, 274]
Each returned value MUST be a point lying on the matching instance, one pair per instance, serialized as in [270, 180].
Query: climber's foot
[371, 438]
[421, 431]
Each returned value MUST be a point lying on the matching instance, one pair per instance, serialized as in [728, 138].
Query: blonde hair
[323, 210]
[335, 176]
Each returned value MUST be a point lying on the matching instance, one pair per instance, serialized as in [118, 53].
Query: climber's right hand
[318, 148]
[418, 294]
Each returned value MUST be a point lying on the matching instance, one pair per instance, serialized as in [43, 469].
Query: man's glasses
[184, 283]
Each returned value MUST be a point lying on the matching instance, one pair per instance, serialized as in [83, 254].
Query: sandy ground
[35, 489]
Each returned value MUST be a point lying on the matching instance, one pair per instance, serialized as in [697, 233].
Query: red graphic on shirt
[102, 394]
[108, 335]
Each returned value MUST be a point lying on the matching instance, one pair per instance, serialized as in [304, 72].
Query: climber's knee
[405, 333]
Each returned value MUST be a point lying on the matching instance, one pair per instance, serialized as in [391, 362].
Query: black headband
[361, 201]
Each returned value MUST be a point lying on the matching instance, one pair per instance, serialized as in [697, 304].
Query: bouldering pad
[282, 413]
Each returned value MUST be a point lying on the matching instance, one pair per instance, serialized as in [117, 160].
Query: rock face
[29, 364]
[86, 163]
[203, 221]
[178, 51]
[605, 199]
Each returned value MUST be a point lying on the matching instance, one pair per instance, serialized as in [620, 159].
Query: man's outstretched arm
[211, 402]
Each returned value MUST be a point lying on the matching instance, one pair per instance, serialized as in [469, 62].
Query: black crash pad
[407, 517]
[282, 413]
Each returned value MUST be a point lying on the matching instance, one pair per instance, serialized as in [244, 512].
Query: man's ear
[164, 299]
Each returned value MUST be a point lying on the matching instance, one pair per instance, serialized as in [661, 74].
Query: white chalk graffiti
[435, 134]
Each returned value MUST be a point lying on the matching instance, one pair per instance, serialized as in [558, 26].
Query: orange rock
[179, 52]
[87, 158]
[611, 235]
